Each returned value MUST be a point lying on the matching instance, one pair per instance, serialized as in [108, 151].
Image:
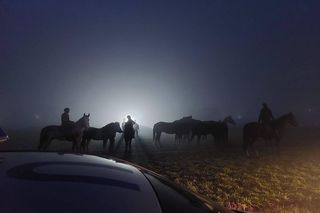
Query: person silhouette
[265, 116]
[128, 133]
[128, 126]
[265, 119]
[65, 121]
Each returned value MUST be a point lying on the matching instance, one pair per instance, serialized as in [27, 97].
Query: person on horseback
[266, 118]
[65, 121]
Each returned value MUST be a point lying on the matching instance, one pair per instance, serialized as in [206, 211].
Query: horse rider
[65, 120]
[266, 118]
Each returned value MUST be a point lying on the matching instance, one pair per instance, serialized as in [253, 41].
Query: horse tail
[43, 138]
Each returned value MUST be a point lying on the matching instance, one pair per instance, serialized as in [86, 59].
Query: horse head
[85, 120]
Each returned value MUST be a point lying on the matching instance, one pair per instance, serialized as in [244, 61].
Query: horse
[178, 127]
[218, 129]
[74, 133]
[184, 128]
[275, 131]
[108, 132]
[158, 128]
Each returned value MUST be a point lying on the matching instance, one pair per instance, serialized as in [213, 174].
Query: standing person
[128, 133]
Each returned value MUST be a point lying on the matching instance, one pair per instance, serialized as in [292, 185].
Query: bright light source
[125, 119]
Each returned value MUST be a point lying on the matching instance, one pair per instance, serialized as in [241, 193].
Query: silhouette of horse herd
[184, 129]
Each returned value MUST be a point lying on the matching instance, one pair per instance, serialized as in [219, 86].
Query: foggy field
[283, 180]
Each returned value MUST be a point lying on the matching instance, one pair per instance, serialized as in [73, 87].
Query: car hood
[65, 182]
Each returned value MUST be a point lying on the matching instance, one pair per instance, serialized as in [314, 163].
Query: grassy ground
[287, 180]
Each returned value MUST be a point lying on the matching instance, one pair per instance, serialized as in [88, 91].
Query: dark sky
[158, 60]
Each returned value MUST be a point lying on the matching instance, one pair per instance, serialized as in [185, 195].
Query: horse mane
[111, 124]
[108, 125]
[79, 119]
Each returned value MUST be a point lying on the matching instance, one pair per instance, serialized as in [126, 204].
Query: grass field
[286, 181]
[279, 180]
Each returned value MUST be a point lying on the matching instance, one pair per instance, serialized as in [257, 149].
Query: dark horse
[218, 129]
[108, 132]
[74, 134]
[179, 128]
[253, 131]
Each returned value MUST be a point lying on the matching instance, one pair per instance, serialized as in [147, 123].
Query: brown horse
[74, 135]
[275, 131]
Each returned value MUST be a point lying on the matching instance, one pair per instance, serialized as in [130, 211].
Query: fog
[157, 61]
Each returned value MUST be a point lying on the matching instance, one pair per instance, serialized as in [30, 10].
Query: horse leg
[157, 139]
[111, 144]
[246, 144]
[126, 143]
[42, 144]
[175, 139]
[104, 144]
[46, 144]
[75, 146]
[189, 139]
[254, 150]
[198, 139]
[87, 145]
[129, 143]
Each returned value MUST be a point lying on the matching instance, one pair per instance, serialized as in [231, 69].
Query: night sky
[158, 60]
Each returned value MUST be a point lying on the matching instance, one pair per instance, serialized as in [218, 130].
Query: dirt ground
[283, 179]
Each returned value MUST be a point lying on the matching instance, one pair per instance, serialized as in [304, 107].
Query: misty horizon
[158, 61]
